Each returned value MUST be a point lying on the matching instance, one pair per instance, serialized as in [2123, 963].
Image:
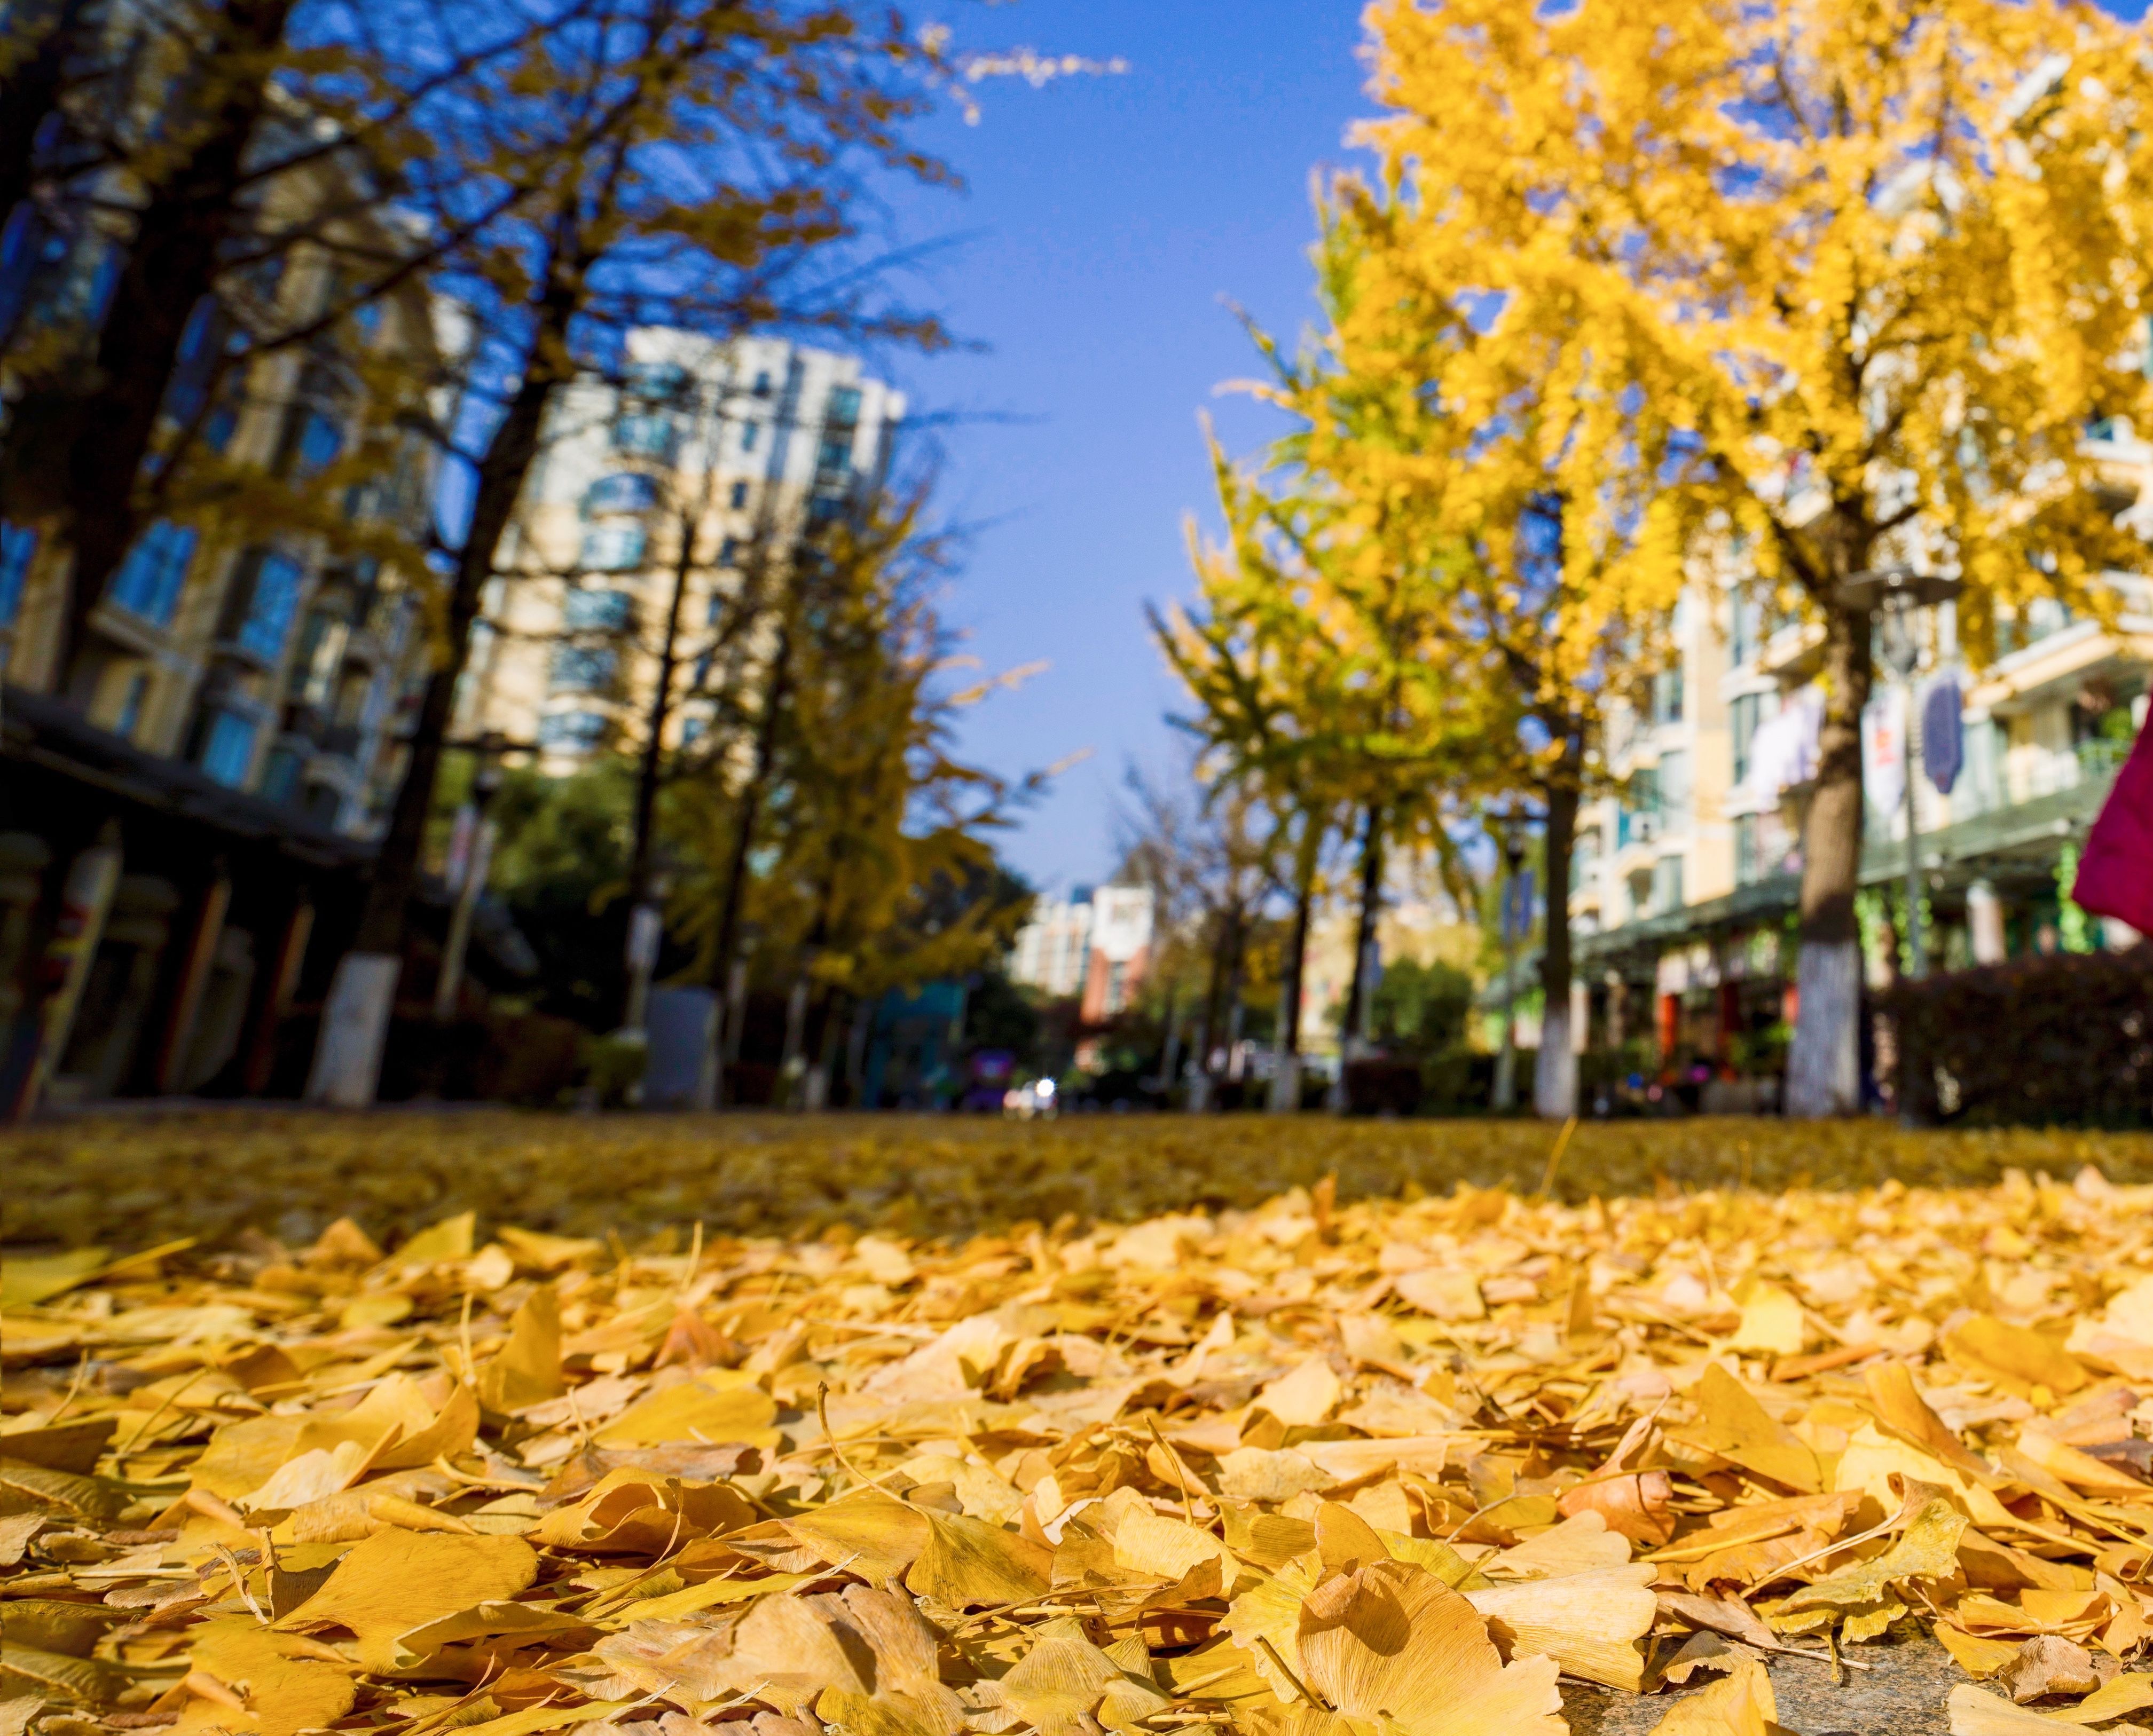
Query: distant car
[1040, 1098]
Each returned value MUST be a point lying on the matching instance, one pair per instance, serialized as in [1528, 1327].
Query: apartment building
[1685, 886]
[206, 777]
[1094, 945]
[665, 499]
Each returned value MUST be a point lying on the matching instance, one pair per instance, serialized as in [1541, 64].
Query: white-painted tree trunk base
[346, 1070]
[1285, 1086]
[1823, 1064]
[1198, 1101]
[1555, 1072]
[815, 1089]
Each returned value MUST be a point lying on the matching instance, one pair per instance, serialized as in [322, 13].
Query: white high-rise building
[734, 450]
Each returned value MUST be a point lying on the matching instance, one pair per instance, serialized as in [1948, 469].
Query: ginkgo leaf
[527, 1371]
[1392, 1641]
[1304, 1397]
[724, 1405]
[283, 1693]
[1927, 1549]
[1589, 1622]
[968, 1562]
[1732, 1424]
[396, 1580]
[1741, 1703]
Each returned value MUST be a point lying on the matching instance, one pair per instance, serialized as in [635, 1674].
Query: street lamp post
[1894, 593]
[1506, 1059]
[486, 784]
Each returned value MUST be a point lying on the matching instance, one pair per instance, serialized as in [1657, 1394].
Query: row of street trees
[1636, 300]
[552, 177]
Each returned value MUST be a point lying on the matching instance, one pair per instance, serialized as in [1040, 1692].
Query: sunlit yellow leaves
[396, 1580]
[1391, 1640]
[724, 1405]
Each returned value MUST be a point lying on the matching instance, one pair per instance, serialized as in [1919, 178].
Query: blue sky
[1105, 220]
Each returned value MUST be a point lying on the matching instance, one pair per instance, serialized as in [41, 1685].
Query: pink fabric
[2115, 874]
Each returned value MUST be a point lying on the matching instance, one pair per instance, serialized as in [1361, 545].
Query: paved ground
[1902, 1696]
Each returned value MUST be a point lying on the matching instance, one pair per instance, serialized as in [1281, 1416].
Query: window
[834, 457]
[762, 384]
[149, 582]
[598, 610]
[657, 382]
[1746, 868]
[201, 340]
[280, 777]
[1674, 787]
[572, 731]
[1745, 715]
[750, 433]
[18, 543]
[844, 407]
[1667, 695]
[1742, 639]
[315, 430]
[729, 551]
[130, 709]
[228, 748]
[272, 592]
[614, 548]
[740, 496]
[693, 730]
[623, 491]
[646, 437]
[1667, 883]
[583, 668]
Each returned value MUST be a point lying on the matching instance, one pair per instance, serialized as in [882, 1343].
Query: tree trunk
[1555, 1071]
[355, 1022]
[727, 944]
[172, 262]
[45, 37]
[1285, 1083]
[1824, 1070]
[1354, 1030]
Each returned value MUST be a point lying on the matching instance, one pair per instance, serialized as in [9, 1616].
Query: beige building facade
[664, 499]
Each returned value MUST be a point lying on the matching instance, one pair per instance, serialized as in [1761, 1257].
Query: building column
[197, 957]
[86, 901]
[279, 984]
[1984, 921]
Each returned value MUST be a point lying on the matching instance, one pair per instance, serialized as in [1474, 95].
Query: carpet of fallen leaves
[1278, 1459]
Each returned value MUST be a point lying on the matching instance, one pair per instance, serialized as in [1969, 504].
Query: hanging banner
[1943, 738]
[1884, 751]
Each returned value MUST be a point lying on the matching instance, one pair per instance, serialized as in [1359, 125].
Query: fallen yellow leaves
[1302, 1468]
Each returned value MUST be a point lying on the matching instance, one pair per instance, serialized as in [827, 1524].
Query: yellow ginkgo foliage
[1821, 288]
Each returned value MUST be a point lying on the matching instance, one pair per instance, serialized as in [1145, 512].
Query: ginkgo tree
[1877, 263]
[1305, 657]
[1445, 435]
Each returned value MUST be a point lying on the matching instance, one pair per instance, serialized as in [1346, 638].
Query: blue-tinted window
[280, 777]
[729, 552]
[646, 437]
[21, 251]
[739, 495]
[598, 611]
[271, 601]
[583, 668]
[845, 405]
[572, 729]
[623, 491]
[762, 384]
[18, 543]
[321, 439]
[660, 380]
[228, 748]
[750, 435]
[834, 457]
[149, 580]
[614, 548]
[201, 340]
